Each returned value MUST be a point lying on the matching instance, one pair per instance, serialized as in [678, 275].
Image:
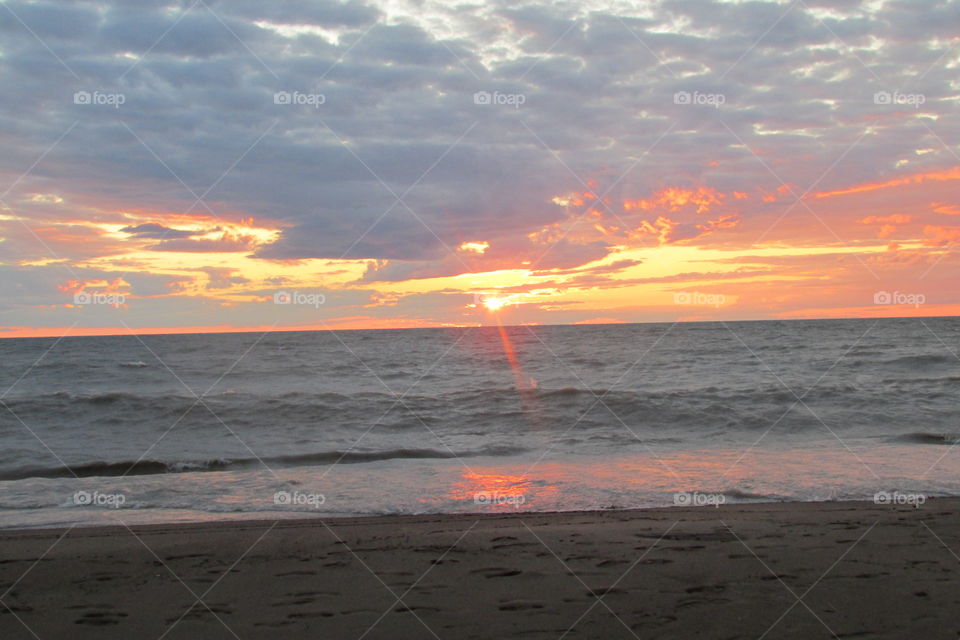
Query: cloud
[222, 277]
[154, 231]
[387, 151]
[224, 244]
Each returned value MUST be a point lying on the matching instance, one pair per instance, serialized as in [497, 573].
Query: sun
[494, 303]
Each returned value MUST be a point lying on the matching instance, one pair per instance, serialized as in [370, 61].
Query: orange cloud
[897, 218]
[117, 285]
[675, 198]
[946, 209]
[940, 235]
[670, 231]
[888, 223]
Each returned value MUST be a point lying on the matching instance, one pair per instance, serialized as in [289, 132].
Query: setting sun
[495, 304]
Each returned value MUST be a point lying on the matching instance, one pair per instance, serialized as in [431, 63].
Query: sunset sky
[237, 165]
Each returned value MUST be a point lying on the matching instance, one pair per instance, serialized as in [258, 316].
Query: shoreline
[414, 518]
[305, 518]
[736, 570]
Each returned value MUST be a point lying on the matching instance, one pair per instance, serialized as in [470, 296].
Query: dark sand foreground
[848, 570]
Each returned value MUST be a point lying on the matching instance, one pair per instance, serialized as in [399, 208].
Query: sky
[243, 165]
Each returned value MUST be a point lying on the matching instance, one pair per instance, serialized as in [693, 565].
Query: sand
[802, 570]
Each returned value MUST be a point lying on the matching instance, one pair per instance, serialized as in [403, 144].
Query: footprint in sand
[101, 618]
[520, 605]
[497, 572]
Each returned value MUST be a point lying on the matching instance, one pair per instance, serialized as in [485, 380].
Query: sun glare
[494, 304]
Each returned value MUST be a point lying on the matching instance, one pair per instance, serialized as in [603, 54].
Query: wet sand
[799, 570]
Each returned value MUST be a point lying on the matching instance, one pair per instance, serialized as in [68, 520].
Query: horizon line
[103, 332]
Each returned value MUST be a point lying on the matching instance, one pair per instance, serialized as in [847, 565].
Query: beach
[770, 570]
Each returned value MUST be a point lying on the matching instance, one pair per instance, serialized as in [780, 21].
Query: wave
[154, 467]
[920, 360]
[741, 494]
[163, 399]
[929, 380]
[106, 397]
[459, 397]
[925, 437]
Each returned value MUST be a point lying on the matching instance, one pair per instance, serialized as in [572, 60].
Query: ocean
[174, 428]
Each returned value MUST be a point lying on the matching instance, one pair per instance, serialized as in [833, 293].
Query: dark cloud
[225, 243]
[154, 231]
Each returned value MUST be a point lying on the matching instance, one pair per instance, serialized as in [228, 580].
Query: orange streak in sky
[344, 324]
[919, 178]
